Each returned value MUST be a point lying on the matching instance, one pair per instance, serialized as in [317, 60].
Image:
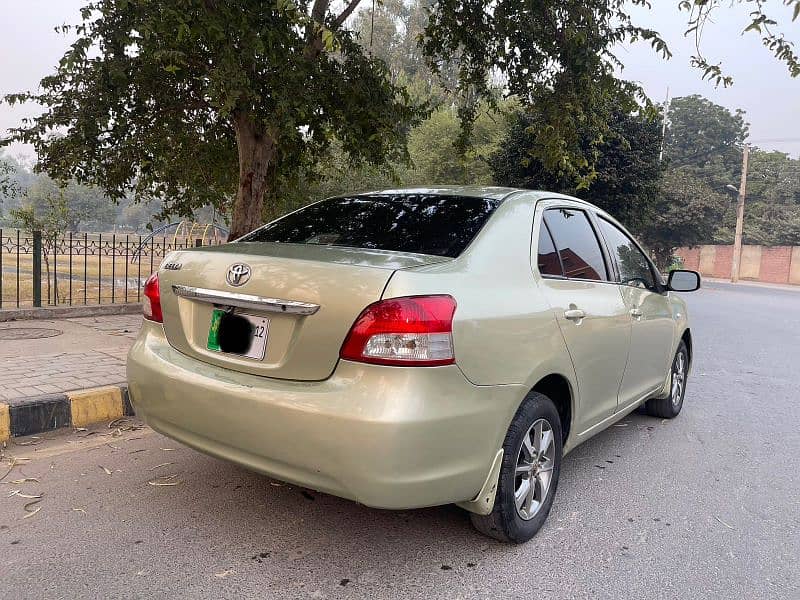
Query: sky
[30, 49]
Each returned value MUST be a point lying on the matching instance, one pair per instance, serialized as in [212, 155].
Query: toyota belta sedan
[415, 347]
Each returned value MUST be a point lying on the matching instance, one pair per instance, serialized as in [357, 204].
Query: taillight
[151, 303]
[415, 331]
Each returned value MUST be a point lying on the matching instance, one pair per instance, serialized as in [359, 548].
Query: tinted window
[577, 243]
[548, 259]
[634, 268]
[425, 224]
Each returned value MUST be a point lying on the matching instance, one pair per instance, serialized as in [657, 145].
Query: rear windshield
[424, 224]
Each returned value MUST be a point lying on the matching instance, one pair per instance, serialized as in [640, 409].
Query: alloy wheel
[678, 378]
[534, 471]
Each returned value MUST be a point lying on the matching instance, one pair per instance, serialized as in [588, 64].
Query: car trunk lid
[308, 296]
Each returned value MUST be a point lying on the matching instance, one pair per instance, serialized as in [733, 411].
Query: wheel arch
[686, 336]
[559, 390]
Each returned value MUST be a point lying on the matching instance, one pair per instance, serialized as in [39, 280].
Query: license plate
[258, 340]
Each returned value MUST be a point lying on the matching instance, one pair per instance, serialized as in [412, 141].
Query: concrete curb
[68, 312]
[37, 414]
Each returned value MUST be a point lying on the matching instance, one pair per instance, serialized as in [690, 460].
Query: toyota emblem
[238, 274]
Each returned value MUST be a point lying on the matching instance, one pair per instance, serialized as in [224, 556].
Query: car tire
[525, 462]
[670, 407]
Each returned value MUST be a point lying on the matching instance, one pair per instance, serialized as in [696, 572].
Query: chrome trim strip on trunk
[245, 300]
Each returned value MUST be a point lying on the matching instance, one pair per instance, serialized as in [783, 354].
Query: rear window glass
[423, 224]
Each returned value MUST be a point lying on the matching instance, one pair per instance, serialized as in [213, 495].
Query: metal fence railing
[80, 268]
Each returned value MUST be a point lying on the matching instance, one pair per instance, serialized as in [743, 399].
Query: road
[705, 506]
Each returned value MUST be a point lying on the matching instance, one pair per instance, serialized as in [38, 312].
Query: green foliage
[700, 13]
[705, 138]
[168, 98]
[705, 141]
[198, 102]
[559, 58]
[8, 186]
[436, 158]
[48, 213]
[774, 178]
[391, 33]
[627, 169]
[82, 205]
[433, 159]
[686, 213]
[556, 57]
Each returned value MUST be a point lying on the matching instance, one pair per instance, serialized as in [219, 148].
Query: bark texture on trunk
[256, 153]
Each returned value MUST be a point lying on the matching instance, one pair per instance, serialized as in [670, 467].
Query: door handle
[574, 314]
[636, 313]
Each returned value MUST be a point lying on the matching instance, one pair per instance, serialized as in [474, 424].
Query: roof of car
[474, 191]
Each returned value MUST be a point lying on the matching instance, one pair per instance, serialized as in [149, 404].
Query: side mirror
[681, 280]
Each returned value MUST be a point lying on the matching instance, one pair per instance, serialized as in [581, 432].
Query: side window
[548, 261]
[634, 268]
[576, 243]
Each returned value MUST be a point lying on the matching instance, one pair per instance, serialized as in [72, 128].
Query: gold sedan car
[417, 347]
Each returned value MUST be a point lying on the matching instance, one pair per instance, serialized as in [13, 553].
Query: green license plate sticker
[213, 330]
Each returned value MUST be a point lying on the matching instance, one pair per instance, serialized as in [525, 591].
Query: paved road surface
[705, 506]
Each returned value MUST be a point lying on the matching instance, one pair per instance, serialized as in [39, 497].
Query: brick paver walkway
[89, 352]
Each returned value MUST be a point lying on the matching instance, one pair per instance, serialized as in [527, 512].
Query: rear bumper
[387, 437]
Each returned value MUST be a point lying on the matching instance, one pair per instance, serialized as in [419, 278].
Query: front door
[589, 309]
[653, 326]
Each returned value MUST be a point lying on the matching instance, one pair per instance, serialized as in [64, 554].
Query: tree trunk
[256, 153]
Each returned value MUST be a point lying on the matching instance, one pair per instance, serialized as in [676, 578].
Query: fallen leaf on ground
[23, 480]
[724, 523]
[12, 464]
[167, 449]
[31, 512]
[159, 466]
[164, 480]
[107, 471]
[79, 510]
[21, 495]
[223, 574]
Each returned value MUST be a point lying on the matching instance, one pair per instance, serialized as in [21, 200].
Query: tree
[627, 169]
[686, 213]
[706, 138]
[83, 205]
[7, 184]
[182, 91]
[195, 101]
[559, 59]
[48, 216]
[436, 160]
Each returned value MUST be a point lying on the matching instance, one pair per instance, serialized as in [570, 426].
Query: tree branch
[345, 13]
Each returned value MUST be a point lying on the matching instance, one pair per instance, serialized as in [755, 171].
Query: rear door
[653, 326]
[589, 308]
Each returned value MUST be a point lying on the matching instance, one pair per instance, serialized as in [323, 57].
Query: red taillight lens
[416, 331]
[151, 303]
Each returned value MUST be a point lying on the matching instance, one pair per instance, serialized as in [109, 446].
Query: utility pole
[737, 240]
